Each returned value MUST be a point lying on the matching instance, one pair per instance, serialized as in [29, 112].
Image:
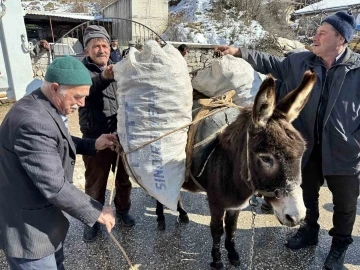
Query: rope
[110, 201]
[215, 104]
[222, 102]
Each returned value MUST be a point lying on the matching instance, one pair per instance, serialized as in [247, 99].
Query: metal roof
[327, 5]
[74, 16]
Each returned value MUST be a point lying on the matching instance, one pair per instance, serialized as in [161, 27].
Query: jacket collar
[350, 59]
[39, 96]
[92, 66]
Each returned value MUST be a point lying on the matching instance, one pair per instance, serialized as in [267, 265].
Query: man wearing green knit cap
[36, 169]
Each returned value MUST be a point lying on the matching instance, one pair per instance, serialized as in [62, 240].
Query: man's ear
[86, 50]
[54, 87]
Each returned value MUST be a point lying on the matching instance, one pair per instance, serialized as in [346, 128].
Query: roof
[73, 16]
[327, 5]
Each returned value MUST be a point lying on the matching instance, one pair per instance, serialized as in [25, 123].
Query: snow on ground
[52, 5]
[196, 24]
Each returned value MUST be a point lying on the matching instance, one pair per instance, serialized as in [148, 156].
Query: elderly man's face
[68, 100]
[99, 51]
[325, 41]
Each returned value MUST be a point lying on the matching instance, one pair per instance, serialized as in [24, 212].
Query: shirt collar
[339, 55]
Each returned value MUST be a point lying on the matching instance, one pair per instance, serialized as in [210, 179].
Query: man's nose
[81, 102]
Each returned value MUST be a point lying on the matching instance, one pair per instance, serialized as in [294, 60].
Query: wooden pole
[52, 32]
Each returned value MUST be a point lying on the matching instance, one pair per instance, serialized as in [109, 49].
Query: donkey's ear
[292, 104]
[264, 103]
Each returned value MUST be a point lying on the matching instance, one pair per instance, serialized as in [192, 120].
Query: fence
[123, 29]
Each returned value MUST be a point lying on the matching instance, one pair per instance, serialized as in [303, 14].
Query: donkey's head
[275, 148]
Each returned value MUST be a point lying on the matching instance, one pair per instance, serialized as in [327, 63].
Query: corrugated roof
[75, 16]
[327, 5]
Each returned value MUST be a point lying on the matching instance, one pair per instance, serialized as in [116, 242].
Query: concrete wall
[152, 13]
[16, 72]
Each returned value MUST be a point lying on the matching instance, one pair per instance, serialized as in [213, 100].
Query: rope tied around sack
[209, 107]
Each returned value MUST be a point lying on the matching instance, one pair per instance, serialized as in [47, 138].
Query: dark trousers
[344, 189]
[97, 170]
[52, 262]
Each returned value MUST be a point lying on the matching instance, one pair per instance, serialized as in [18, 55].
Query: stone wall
[39, 63]
[199, 56]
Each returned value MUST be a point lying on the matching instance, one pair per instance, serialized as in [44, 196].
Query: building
[150, 13]
[311, 16]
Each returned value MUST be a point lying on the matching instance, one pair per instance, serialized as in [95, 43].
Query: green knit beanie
[68, 70]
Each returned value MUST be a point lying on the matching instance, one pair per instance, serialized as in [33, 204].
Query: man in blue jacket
[115, 54]
[330, 123]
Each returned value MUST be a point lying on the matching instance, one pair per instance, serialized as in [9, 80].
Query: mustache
[75, 107]
[101, 54]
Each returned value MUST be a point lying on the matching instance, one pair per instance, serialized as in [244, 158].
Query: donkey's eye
[267, 159]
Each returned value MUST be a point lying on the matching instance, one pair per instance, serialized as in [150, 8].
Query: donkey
[260, 152]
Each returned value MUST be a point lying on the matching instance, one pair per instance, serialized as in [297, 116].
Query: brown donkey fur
[259, 151]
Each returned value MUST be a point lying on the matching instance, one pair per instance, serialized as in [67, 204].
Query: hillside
[60, 6]
[198, 21]
[195, 21]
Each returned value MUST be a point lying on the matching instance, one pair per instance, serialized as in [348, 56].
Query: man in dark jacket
[330, 123]
[99, 116]
[126, 51]
[115, 54]
[37, 158]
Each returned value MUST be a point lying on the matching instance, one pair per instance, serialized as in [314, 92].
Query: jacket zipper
[318, 109]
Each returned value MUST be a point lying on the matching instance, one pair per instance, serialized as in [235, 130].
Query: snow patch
[197, 25]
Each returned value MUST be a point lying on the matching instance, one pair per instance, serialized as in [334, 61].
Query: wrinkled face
[98, 49]
[275, 162]
[69, 98]
[326, 41]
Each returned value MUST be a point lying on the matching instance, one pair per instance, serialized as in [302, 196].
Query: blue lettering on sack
[155, 147]
[133, 158]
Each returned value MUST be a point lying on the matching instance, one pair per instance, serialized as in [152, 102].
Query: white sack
[155, 97]
[229, 73]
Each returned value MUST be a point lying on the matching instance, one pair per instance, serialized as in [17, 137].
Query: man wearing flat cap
[37, 159]
[115, 54]
[99, 116]
[330, 124]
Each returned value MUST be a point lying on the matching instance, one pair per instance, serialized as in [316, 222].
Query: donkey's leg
[183, 216]
[160, 216]
[217, 230]
[231, 218]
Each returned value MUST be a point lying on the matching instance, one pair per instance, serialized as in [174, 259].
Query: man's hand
[225, 49]
[108, 73]
[107, 218]
[106, 141]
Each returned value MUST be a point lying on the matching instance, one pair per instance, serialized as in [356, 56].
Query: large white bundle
[155, 97]
[229, 73]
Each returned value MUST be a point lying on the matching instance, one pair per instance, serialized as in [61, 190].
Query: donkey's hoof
[161, 225]
[184, 219]
[217, 265]
[234, 258]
